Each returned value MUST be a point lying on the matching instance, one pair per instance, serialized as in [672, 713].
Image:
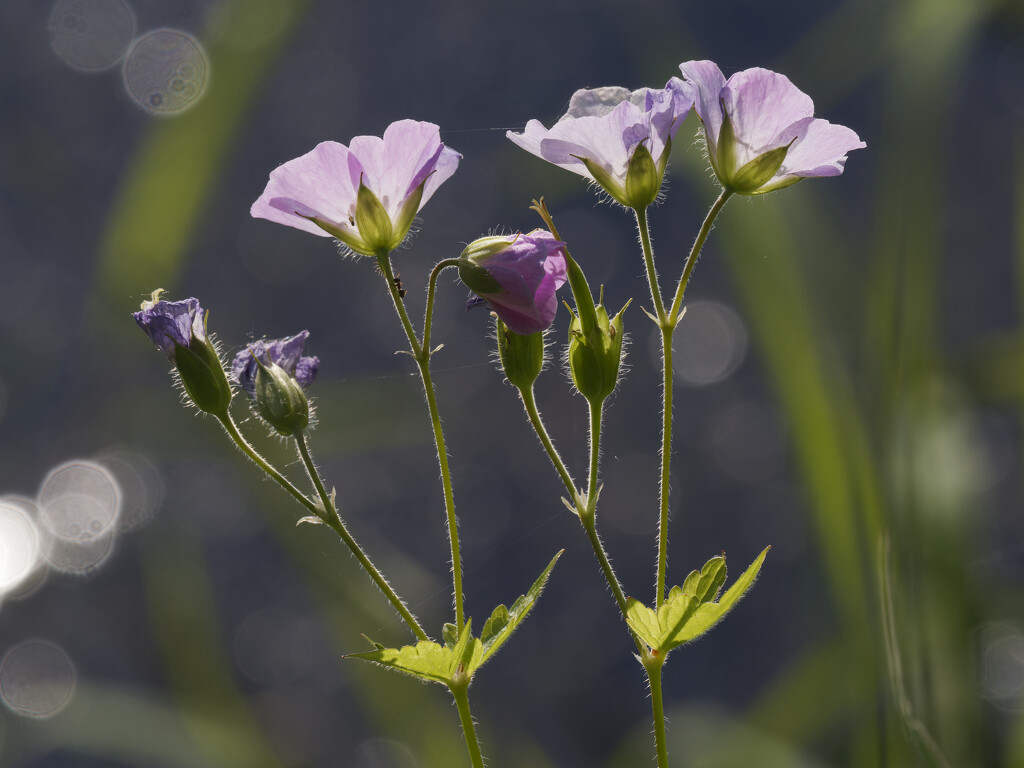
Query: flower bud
[522, 357]
[517, 276]
[595, 357]
[178, 328]
[275, 375]
[280, 400]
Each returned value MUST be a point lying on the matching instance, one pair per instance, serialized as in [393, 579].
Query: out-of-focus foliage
[870, 431]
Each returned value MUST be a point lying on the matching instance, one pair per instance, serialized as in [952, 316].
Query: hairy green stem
[461, 694]
[229, 426]
[653, 668]
[421, 353]
[667, 322]
[530, 403]
[428, 315]
[332, 518]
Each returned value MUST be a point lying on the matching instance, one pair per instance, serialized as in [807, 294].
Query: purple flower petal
[767, 112]
[325, 182]
[708, 80]
[605, 125]
[172, 322]
[528, 272]
[286, 353]
[762, 104]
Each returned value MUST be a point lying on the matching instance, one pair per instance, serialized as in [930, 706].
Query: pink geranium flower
[366, 194]
[761, 131]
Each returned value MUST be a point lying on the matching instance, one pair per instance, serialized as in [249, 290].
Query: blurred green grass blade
[1015, 746]
[133, 727]
[185, 622]
[173, 173]
[757, 243]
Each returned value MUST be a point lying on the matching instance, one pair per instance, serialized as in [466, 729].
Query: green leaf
[504, 621]
[709, 614]
[429, 660]
[450, 635]
[689, 611]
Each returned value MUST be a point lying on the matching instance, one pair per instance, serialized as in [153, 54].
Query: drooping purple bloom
[286, 353]
[319, 192]
[765, 112]
[600, 133]
[518, 276]
[172, 322]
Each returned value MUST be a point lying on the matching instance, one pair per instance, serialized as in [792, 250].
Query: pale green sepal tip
[725, 154]
[758, 172]
[787, 181]
[663, 162]
[585, 307]
[643, 181]
[202, 375]
[605, 180]
[351, 240]
[406, 216]
[372, 220]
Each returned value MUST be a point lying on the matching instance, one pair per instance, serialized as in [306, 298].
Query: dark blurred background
[850, 391]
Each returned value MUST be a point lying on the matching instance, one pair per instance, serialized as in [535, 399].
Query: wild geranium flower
[178, 328]
[761, 131]
[615, 137]
[275, 375]
[517, 275]
[366, 194]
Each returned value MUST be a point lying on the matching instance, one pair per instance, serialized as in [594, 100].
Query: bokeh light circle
[21, 546]
[79, 502]
[37, 679]
[166, 71]
[91, 35]
[709, 345]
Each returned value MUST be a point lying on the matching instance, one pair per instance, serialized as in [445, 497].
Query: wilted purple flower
[287, 353]
[178, 328]
[517, 275]
[367, 194]
[618, 138]
[171, 322]
[761, 131]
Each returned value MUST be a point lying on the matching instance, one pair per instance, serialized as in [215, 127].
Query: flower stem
[421, 353]
[428, 315]
[691, 261]
[530, 403]
[461, 694]
[332, 518]
[653, 668]
[229, 426]
[667, 322]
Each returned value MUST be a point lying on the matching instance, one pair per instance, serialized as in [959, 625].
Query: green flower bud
[280, 399]
[202, 375]
[595, 358]
[522, 357]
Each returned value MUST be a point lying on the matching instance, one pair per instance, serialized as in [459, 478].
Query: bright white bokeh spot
[166, 71]
[79, 502]
[36, 576]
[710, 343]
[1001, 676]
[384, 753]
[91, 35]
[273, 647]
[21, 546]
[142, 488]
[37, 679]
